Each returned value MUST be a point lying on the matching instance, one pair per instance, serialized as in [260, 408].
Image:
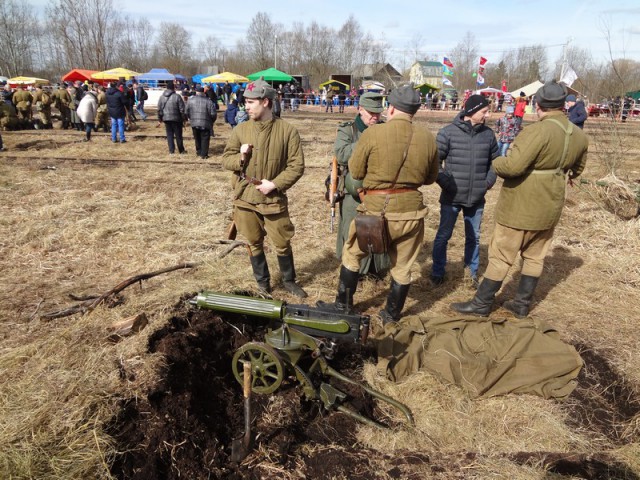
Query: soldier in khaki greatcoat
[531, 200]
[62, 100]
[265, 153]
[22, 100]
[407, 153]
[369, 110]
[102, 115]
[42, 100]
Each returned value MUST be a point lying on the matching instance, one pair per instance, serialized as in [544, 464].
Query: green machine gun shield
[300, 341]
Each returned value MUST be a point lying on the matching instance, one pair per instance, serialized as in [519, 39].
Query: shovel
[241, 446]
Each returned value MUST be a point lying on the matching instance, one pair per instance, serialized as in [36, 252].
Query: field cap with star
[260, 89]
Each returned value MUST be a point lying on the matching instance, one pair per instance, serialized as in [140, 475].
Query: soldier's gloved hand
[266, 187]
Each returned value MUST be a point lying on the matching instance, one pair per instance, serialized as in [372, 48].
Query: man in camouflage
[531, 200]
[265, 153]
[393, 159]
[369, 110]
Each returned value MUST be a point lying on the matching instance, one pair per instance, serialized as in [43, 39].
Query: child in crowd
[507, 129]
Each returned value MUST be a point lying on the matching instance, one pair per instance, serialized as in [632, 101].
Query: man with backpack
[141, 96]
[171, 113]
[42, 100]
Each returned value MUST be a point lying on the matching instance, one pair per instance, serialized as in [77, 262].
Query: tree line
[95, 35]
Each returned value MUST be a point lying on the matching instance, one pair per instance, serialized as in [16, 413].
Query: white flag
[446, 81]
[569, 76]
[480, 80]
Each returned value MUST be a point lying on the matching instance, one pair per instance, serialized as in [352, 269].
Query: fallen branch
[231, 245]
[89, 305]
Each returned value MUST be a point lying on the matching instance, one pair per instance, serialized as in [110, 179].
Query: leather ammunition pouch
[372, 233]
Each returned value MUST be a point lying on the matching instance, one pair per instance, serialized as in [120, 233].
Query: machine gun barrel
[314, 321]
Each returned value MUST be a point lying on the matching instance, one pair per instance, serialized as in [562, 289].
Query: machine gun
[299, 342]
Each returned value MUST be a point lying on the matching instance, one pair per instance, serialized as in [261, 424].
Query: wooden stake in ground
[89, 305]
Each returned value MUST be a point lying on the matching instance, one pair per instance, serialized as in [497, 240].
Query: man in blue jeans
[466, 147]
[117, 107]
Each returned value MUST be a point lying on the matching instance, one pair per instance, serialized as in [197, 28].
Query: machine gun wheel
[267, 368]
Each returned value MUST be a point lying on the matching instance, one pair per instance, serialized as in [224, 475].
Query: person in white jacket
[87, 111]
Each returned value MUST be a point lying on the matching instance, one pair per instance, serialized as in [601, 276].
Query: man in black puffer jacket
[117, 108]
[467, 147]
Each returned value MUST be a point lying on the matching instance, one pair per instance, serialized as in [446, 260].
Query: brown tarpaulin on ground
[484, 357]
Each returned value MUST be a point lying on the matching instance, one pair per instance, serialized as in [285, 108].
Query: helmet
[352, 185]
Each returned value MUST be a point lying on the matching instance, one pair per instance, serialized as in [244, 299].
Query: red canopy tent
[79, 74]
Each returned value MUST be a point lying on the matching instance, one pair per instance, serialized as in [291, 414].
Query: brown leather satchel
[372, 231]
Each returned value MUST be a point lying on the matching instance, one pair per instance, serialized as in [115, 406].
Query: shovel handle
[246, 369]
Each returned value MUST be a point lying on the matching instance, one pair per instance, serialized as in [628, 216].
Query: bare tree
[17, 35]
[174, 46]
[135, 45]
[260, 40]
[465, 57]
[85, 31]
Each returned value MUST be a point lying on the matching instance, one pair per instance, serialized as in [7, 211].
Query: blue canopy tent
[155, 76]
[198, 78]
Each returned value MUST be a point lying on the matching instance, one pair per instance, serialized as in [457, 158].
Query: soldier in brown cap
[369, 111]
[393, 159]
[265, 153]
[530, 201]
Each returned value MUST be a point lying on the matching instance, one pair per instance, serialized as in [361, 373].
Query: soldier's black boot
[395, 302]
[289, 276]
[482, 302]
[519, 306]
[261, 272]
[347, 286]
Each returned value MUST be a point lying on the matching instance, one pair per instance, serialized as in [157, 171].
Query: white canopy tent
[489, 90]
[528, 90]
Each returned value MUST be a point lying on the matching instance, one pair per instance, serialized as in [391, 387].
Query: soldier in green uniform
[62, 100]
[8, 116]
[265, 154]
[531, 200]
[22, 100]
[42, 100]
[369, 110]
[102, 115]
[393, 159]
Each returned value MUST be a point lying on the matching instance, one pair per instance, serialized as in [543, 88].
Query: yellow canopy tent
[27, 81]
[334, 85]
[225, 77]
[115, 74]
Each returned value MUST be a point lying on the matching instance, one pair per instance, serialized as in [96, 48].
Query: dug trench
[185, 426]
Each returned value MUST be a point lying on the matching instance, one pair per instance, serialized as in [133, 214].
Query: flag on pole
[446, 81]
[504, 86]
[480, 80]
[569, 76]
[482, 61]
[447, 71]
[447, 62]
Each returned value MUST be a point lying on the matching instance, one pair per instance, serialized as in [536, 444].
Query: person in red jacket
[518, 113]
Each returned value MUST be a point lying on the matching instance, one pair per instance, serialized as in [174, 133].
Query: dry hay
[73, 221]
[616, 197]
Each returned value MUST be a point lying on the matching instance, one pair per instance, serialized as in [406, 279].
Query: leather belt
[390, 191]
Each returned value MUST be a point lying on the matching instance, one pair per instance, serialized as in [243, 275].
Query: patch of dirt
[604, 401]
[185, 426]
[587, 467]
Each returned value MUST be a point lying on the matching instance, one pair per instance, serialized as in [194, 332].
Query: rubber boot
[482, 302]
[519, 306]
[261, 272]
[289, 276]
[347, 286]
[395, 302]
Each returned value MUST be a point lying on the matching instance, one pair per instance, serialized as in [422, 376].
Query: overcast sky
[497, 28]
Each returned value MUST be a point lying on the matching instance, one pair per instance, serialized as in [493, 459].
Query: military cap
[551, 95]
[405, 99]
[371, 102]
[259, 89]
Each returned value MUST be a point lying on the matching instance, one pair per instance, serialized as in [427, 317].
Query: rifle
[333, 189]
[305, 336]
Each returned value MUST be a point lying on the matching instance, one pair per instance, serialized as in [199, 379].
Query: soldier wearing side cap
[265, 153]
[369, 110]
[393, 160]
[531, 200]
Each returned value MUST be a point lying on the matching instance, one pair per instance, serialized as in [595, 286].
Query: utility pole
[565, 47]
[275, 54]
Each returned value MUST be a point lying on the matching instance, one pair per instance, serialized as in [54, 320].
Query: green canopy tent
[635, 95]
[334, 85]
[426, 88]
[271, 75]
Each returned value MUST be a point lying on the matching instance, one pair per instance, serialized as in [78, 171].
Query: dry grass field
[79, 218]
